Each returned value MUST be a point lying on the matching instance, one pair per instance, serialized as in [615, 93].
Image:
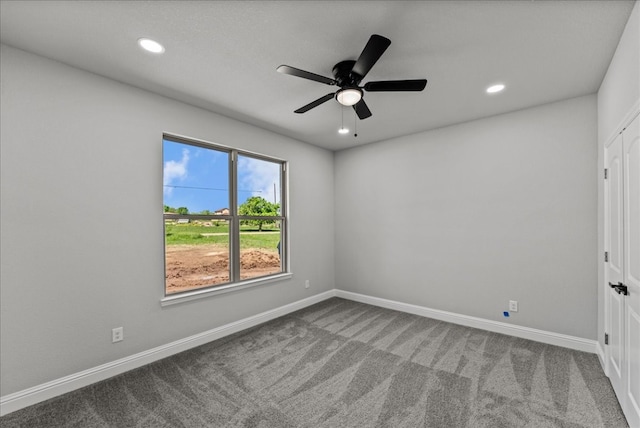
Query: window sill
[208, 292]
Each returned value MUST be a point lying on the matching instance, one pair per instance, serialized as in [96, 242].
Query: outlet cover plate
[117, 334]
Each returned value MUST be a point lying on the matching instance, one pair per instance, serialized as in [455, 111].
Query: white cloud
[175, 170]
[258, 177]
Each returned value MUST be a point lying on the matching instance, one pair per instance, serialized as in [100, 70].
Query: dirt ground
[194, 266]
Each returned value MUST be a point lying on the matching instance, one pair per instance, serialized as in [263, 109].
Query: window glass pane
[196, 254]
[260, 247]
[195, 179]
[258, 187]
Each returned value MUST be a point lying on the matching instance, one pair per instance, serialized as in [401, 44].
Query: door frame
[607, 237]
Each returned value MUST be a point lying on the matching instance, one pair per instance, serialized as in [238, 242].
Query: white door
[622, 300]
[631, 156]
[614, 193]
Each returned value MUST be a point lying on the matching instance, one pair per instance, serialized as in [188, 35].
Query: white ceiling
[222, 55]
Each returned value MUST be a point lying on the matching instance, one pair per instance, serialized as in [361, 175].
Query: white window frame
[234, 219]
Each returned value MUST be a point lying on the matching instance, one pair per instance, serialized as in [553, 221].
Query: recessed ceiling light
[495, 88]
[343, 130]
[151, 45]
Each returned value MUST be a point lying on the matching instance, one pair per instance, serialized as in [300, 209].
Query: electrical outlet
[513, 306]
[307, 284]
[117, 334]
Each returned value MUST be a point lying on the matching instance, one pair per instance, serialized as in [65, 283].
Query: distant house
[222, 211]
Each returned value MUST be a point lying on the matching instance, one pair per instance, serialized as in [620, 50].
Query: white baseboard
[21, 399]
[550, 338]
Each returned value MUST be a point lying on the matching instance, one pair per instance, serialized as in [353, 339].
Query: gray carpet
[345, 364]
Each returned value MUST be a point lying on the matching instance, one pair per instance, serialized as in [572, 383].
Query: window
[224, 216]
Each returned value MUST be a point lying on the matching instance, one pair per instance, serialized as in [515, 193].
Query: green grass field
[194, 234]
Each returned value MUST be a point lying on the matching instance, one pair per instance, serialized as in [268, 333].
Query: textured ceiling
[222, 55]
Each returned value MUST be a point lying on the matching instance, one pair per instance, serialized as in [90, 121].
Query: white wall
[618, 94]
[82, 228]
[620, 88]
[467, 217]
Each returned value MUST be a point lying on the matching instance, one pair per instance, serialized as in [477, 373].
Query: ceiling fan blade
[362, 110]
[396, 85]
[305, 74]
[370, 55]
[315, 103]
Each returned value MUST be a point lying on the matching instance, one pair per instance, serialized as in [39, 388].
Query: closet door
[614, 300]
[631, 203]
[622, 297]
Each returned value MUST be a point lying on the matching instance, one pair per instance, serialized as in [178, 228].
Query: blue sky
[198, 178]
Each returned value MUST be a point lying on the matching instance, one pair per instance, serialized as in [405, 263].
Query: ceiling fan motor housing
[343, 75]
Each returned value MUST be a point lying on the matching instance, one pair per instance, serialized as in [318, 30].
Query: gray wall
[467, 217]
[82, 228]
[619, 91]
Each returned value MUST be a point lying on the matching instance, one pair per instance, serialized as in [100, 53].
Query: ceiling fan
[348, 75]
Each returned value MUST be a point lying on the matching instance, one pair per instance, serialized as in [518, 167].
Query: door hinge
[606, 256]
[606, 338]
[606, 173]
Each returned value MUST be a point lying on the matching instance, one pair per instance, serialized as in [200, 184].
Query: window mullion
[234, 236]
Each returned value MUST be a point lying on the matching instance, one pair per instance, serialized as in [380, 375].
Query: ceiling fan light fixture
[348, 97]
[343, 131]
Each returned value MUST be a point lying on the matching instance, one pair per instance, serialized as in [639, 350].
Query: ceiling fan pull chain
[355, 124]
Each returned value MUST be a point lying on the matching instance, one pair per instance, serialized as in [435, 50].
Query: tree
[258, 206]
[183, 210]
